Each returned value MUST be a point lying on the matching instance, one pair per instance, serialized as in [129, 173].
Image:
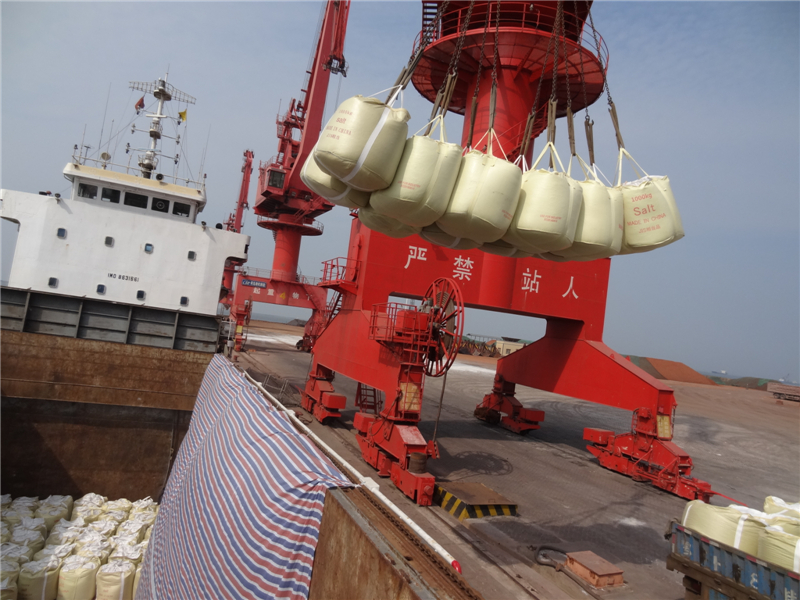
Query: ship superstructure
[127, 236]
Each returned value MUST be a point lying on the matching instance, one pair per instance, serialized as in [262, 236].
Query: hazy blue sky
[707, 93]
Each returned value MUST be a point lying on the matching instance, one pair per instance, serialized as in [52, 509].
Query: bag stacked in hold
[424, 180]
[599, 229]
[39, 579]
[548, 211]
[77, 578]
[115, 580]
[651, 215]
[484, 198]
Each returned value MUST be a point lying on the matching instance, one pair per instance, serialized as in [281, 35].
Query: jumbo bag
[779, 548]
[330, 188]
[484, 198]
[548, 210]
[651, 215]
[503, 248]
[362, 143]
[599, 230]
[735, 526]
[436, 236]
[424, 181]
[385, 225]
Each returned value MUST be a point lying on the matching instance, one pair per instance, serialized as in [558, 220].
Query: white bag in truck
[385, 225]
[423, 182]
[362, 143]
[115, 581]
[735, 526]
[598, 232]
[330, 188]
[651, 215]
[774, 505]
[779, 548]
[548, 210]
[434, 235]
[484, 198]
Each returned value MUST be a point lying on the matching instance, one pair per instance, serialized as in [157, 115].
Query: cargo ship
[109, 317]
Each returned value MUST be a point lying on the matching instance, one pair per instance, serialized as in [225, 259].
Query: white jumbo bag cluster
[730, 525]
[330, 188]
[549, 206]
[484, 198]
[362, 143]
[385, 225]
[651, 215]
[67, 567]
[434, 235]
[770, 535]
[599, 229]
[423, 182]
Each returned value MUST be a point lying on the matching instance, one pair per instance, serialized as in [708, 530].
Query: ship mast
[164, 92]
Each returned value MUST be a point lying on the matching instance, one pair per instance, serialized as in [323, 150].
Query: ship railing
[131, 170]
[276, 275]
[525, 15]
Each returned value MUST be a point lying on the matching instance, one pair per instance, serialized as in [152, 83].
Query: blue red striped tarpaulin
[243, 503]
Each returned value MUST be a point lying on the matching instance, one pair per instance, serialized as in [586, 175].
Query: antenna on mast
[164, 92]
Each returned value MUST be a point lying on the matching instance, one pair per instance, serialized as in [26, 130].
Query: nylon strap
[589, 125]
[368, 146]
[615, 120]
[571, 129]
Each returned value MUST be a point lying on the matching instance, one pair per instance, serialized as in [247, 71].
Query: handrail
[279, 276]
[184, 181]
[516, 15]
[367, 482]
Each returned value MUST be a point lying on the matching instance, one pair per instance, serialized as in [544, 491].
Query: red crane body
[383, 346]
[284, 204]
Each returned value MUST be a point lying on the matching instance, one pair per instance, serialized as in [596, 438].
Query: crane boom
[280, 190]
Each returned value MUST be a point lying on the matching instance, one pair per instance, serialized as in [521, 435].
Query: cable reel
[445, 305]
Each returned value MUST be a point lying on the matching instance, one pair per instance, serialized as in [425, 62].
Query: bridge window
[137, 200]
[160, 205]
[192, 255]
[110, 195]
[109, 241]
[180, 209]
[52, 282]
[101, 289]
[62, 233]
[184, 301]
[148, 248]
[140, 295]
[87, 191]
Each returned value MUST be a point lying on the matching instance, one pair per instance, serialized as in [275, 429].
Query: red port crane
[389, 348]
[283, 203]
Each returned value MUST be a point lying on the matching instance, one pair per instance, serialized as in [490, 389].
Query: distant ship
[111, 302]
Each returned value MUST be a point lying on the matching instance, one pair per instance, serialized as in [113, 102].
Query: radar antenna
[164, 92]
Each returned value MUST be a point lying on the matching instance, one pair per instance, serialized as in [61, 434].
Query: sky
[707, 93]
